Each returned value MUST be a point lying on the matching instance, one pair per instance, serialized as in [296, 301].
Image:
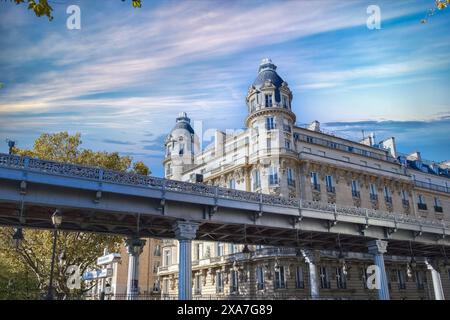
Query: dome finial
[267, 64]
[182, 116]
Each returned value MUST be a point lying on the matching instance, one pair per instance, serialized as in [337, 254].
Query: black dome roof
[267, 71]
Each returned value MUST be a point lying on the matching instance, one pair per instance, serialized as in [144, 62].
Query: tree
[439, 5]
[33, 256]
[42, 8]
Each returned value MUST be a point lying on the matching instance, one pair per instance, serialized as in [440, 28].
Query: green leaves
[42, 8]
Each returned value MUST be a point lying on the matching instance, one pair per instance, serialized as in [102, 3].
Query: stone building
[275, 156]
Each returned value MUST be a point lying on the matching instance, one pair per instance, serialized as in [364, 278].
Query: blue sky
[121, 80]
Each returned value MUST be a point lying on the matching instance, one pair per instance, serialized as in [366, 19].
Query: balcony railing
[438, 209]
[373, 197]
[291, 183]
[315, 187]
[422, 206]
[356, 194]
[388, 199]
[331, 189]
[405, 202]
[431, 186]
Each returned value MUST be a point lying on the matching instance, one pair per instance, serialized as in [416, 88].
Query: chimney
[314, 126]
[414, 156]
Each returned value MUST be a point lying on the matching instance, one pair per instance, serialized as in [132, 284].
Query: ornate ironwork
[126, 178]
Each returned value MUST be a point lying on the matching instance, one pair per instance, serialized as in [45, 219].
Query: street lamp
[56, 221]
[17, 237]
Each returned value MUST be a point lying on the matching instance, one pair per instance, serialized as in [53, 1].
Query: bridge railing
[126, 178]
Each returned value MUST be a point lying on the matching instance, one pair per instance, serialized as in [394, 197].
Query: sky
[124, 76]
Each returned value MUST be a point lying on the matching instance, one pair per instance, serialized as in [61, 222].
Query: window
[232, 184]
[198, 284]
[273, 175]
[220, 249]
[299, 280]
[279, 278]
[269, 144]
[181, 151]
[290, 177]
[287, 144]
[421, 202]
[285, 101]
[437, 205]
[355, 189]
[387, 194]
[256, 180]
[401, 279]
[420, 280]
[373, 192]
[341, 280]
[363, 276]
[253, 104]
[270, 123]
[405, 200]
[233, 248]
[234, 282]
[157, 251]
[268, 98]
[324, 278]
[219, 282]
[260, 278]
[315, 181]
[329, 183]
[198, 251]
[167, 258]
[165, 287]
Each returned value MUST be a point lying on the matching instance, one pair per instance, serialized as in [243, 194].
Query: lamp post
[56, 221]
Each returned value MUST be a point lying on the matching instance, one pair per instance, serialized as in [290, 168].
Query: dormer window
[285, 101]
[268, 99]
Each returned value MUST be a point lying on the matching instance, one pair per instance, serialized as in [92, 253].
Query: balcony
[388, 199]
[331, 189]
[422, 206]
[356, 194]
[315, 187]
[291, 183]
[373, 197]
[432, 186]
[438, 209]
[405, 203]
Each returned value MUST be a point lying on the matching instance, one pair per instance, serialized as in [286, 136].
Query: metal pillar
[311, 258]
[185, 231]
[437, 283]
[378, 248]
[134, 248]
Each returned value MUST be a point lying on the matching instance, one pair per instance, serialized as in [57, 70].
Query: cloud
[118, 142]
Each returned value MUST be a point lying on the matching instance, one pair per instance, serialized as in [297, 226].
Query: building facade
[275, 156]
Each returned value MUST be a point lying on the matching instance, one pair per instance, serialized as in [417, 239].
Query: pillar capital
[185, 230]
[134, 246]
[377, 246]
[311, 256]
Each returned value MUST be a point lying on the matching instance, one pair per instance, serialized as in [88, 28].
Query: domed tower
[269, 95]
[181, 146]
[271, 120]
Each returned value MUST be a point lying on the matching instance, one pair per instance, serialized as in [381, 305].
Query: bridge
[98, 200]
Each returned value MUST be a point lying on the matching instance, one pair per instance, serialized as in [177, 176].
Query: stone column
[134, 248]
[378, 248]
[436, 278]
[185, 231]
[311, 258]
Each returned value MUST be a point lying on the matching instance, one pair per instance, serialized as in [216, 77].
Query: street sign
[107, 259]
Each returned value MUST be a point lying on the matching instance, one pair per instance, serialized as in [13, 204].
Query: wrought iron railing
[126, 178]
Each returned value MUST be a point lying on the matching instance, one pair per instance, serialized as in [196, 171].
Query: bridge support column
[311, 258]
[436, 278]
[134, 248]
[185, 231]
[378, 248]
